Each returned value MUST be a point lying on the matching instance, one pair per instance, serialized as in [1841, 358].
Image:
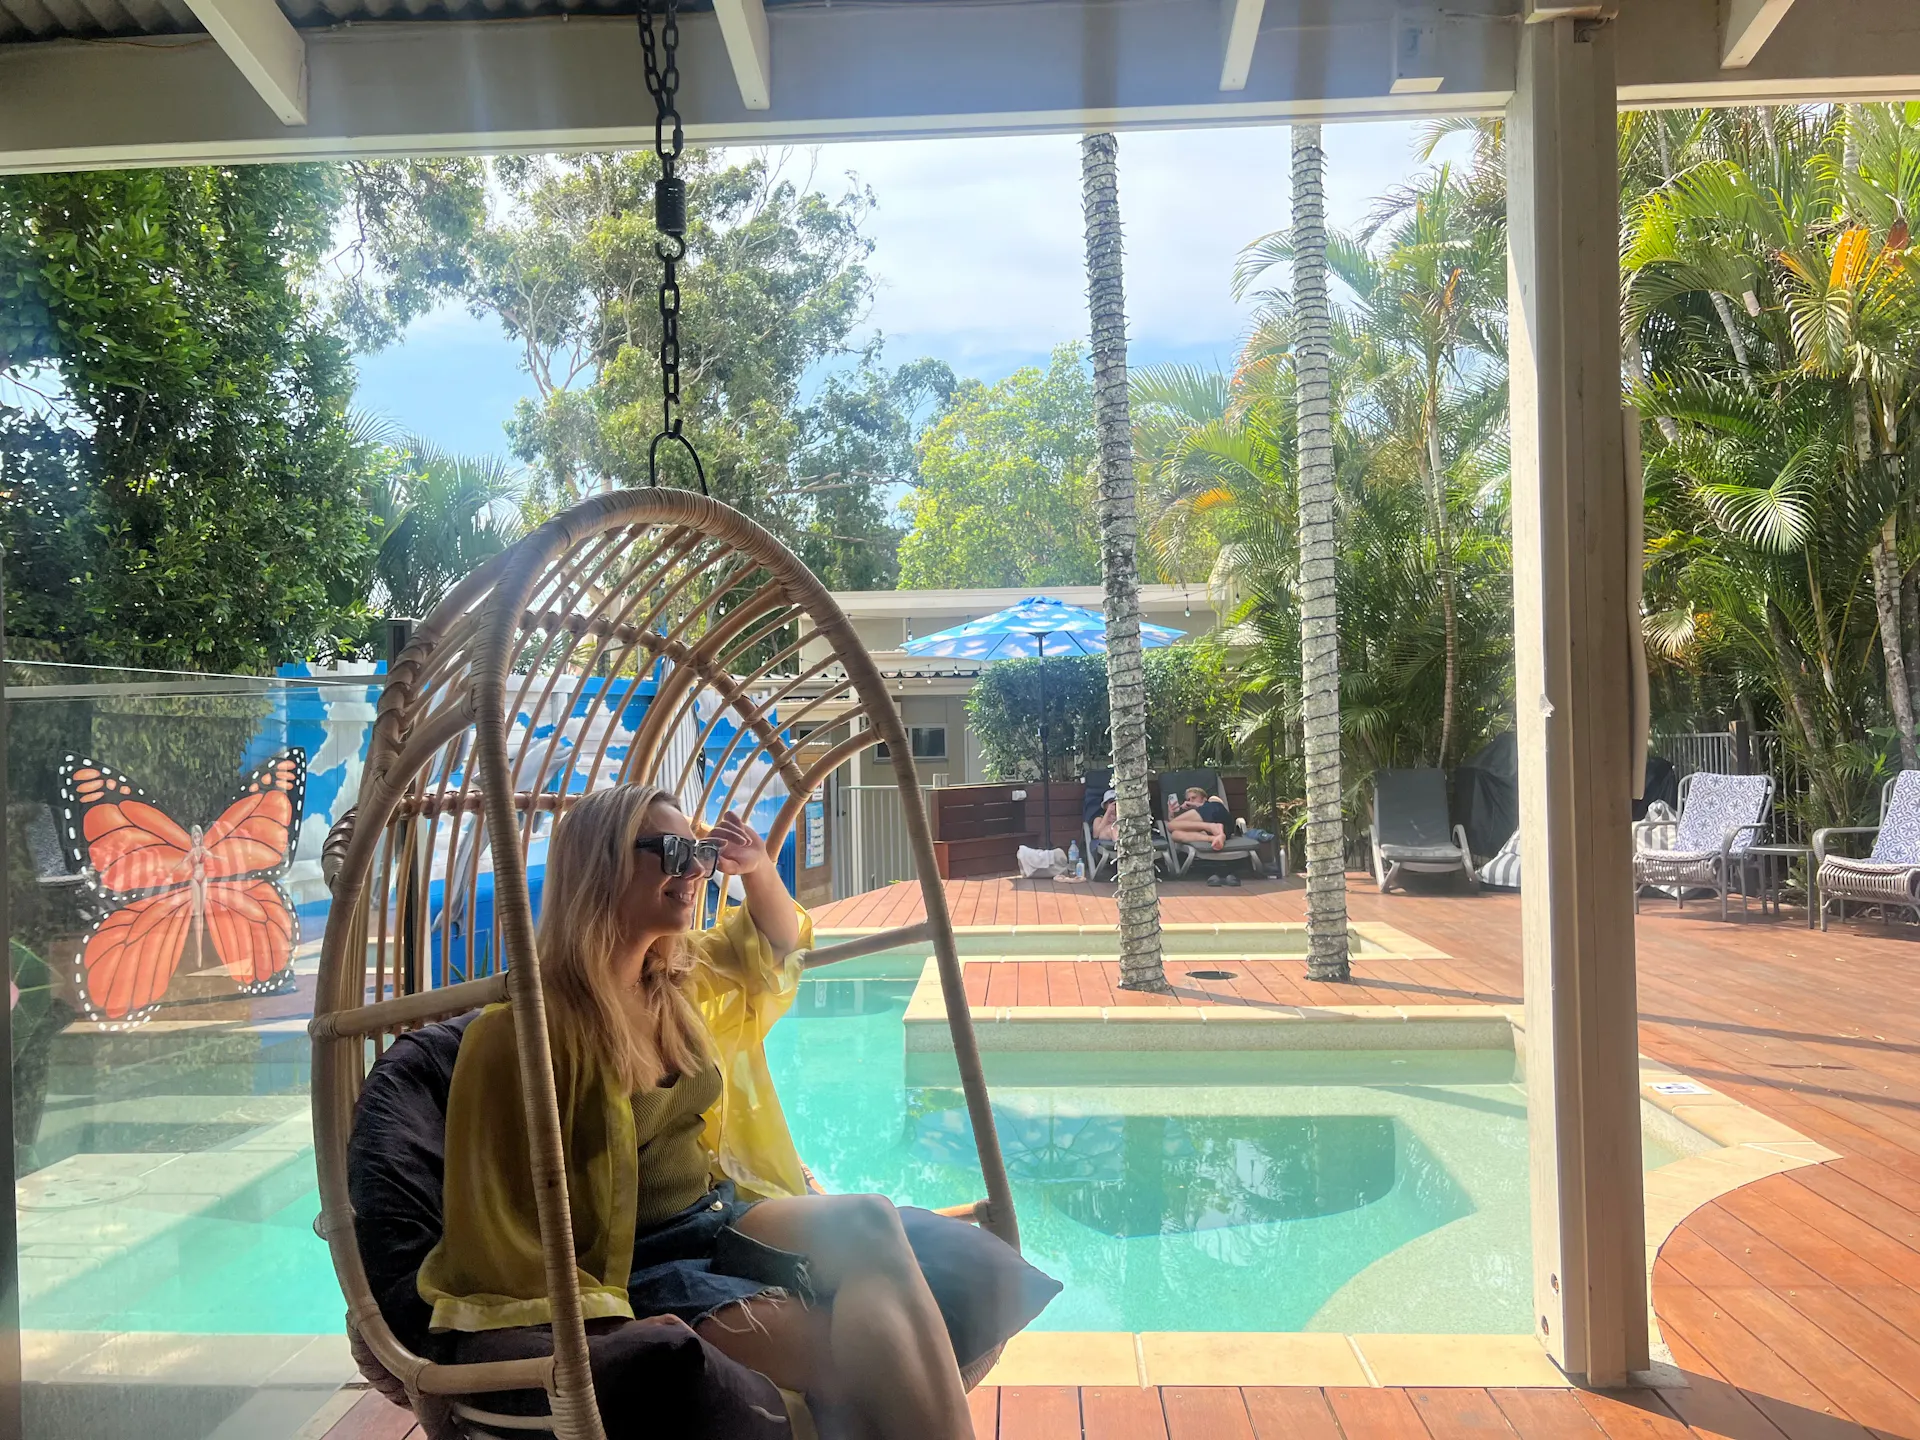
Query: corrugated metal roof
[108, 19]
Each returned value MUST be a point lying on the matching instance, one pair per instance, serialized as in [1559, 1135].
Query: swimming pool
[1351, 1191]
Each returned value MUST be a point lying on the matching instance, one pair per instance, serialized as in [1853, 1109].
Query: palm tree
[439, 515]
[1792, 228]
[1140, 957]
[1327, 956]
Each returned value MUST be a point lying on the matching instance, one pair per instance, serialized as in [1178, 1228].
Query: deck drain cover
[1212, 975]
[73, 1192]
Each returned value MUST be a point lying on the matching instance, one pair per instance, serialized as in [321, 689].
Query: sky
[978, 259]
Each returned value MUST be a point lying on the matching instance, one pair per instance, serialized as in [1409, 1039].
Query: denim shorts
[698, 1262]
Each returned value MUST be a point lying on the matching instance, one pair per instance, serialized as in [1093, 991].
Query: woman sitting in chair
[821, 1294]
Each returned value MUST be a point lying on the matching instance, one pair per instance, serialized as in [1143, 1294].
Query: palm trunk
[1886, 595]
[1319, 608]
[1803, 713]
[1140, 960]
[1443, 558]
[1910, 637]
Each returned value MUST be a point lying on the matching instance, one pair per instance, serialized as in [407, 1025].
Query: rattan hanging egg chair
[643, 635]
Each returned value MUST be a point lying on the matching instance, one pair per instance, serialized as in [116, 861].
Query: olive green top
[674, 1163]
[489, 1269]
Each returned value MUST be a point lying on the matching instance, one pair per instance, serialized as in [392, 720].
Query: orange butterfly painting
[177, 899]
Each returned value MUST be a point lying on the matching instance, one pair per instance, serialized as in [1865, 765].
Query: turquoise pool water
[1356, 1192]
[1373, 1191]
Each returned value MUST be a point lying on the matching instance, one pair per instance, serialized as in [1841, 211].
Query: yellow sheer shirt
[487, 1272]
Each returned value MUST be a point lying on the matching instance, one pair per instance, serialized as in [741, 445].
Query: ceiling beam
[265, 48]
[1239, 29]
[743, 27]
[1746, 27]
[853, 72]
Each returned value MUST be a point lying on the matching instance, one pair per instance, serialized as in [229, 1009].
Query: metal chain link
[660, 56]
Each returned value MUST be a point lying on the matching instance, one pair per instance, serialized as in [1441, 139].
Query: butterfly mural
[176, 899]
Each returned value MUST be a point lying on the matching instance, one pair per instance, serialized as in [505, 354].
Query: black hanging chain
[660, 55]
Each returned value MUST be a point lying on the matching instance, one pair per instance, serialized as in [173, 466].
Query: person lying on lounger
[1199, 819]
[1106, 825]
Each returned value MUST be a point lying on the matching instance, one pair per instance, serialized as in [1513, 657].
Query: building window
[929, 743]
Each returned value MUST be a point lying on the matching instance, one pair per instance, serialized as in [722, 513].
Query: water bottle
[1073, 861]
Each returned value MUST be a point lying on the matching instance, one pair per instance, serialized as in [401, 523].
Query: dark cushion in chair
[648, 1381]
[986, 1292]
[396, 1166]
[1093, 799]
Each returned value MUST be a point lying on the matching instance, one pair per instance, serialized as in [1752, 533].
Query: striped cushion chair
[1890, 875]
[1502, 872]
[1721, 818]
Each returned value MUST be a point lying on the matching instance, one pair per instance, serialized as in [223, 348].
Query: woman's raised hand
[742, 851]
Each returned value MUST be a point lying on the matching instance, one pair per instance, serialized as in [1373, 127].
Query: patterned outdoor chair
[1705, 848]
[1888, 877]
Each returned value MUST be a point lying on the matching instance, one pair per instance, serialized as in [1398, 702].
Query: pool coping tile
[1436, 1361]
[1194, 1357]
[1067, 1357]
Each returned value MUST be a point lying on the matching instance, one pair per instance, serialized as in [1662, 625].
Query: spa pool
[1355, 1191]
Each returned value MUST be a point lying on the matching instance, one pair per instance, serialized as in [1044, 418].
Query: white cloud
[978, 242]
[978, 258]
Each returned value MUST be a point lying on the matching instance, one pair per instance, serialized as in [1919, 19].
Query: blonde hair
[590, 863]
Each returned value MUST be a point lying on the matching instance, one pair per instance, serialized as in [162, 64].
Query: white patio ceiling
[178, 81]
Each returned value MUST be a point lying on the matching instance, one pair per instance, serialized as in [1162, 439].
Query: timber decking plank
[1063, 983]
[1777, 1390]
[1205, 1412]
[1870, 1397]
[983, 1403]
[1375, 1414]
[1122, 1413]
[1632, 1415]
[1039, 1412]
[1861, 1203]
[373, 1417]
[1886, 1255]
[1464, 1413]
[1295, 1412]
[1546, 1414]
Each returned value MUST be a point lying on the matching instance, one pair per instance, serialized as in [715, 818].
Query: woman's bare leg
[889, 1362]
[1190, 829]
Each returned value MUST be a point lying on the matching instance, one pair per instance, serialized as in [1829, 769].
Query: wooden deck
[1793, 1304]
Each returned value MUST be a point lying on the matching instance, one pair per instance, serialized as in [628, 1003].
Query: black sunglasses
[682, 854]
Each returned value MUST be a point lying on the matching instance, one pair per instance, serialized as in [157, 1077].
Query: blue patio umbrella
[1021, 632]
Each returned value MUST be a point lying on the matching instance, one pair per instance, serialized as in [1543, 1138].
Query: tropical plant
[440, 516]
[1770, 289]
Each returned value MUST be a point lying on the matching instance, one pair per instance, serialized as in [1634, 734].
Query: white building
[933, 691]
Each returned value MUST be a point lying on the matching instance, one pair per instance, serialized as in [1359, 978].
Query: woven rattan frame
[635, 585]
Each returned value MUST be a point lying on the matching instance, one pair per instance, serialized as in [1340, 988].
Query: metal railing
[1717, 752]
[869, 838]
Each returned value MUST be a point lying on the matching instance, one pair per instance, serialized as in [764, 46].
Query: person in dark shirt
[1199, 819]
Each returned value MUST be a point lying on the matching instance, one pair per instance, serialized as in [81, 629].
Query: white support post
[743, 26]
[1745, 26]
[264, 47]
[1573, 689]
[1239, 29]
